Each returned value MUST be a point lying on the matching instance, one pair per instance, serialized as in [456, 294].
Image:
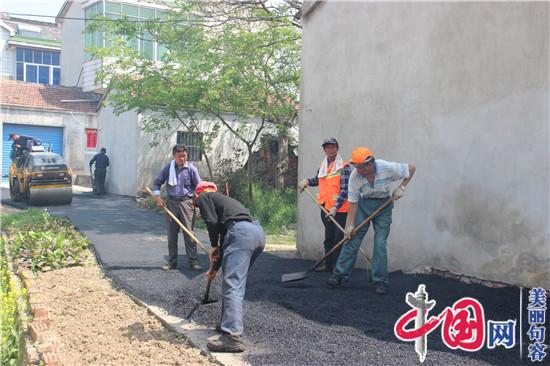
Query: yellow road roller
[41, 178]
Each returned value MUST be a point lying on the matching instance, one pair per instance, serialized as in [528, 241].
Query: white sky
[41, 7]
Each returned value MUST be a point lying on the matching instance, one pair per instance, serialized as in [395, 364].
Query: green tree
[240, 58]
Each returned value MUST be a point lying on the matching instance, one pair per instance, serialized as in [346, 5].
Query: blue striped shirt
[386, 173]
[188, 178]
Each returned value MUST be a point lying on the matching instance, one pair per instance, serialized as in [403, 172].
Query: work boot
[195, 266]
[226, 343]
[169, 267]
[381, 288]
[335, 281]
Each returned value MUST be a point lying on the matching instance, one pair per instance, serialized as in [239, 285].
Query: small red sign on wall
[91, 138]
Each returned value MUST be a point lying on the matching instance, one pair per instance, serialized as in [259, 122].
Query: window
[56, 76]
[146, 46]
[37, 66]
[91, 138]
[94, 39]
[192, 140]
[44, 75]
[30, 73]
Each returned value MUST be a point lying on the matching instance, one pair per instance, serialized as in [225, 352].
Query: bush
[43, 242]
[11, 338]
[276, 210]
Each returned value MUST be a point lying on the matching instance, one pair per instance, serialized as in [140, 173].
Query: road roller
[41, 179]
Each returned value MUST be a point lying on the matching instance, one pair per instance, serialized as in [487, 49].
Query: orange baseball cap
[360, 155]
[205, 186]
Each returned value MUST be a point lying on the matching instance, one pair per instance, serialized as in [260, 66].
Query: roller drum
[47, 195]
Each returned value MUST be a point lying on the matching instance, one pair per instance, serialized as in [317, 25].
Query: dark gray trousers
[99, 177]
[183, 210]
[332, 236]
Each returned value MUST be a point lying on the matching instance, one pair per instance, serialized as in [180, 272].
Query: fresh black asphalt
[302, 323]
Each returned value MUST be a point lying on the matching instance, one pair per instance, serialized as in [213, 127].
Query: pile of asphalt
[305, 323]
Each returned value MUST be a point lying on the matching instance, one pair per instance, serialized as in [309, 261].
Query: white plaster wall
[72, 45]
[119, 135]
[7, 56]
[224, 146]
[74, 135]
[459, 89]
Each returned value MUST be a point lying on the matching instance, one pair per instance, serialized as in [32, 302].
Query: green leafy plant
[46, 243]
[11, 339]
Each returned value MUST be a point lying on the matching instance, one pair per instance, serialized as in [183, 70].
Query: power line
[152, 20]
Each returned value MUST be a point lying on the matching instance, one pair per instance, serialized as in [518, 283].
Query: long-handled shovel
[185, 230]
[205, 299]
[335, 222]
[297, 276]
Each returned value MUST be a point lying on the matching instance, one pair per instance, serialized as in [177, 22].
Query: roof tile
[26, 95]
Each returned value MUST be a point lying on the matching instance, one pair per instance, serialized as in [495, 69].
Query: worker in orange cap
[332, 178]
[237, 239]
[370, 186]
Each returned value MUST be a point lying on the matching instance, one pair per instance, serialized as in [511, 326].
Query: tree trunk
[282, 161]
[249, 172]
[210, 174]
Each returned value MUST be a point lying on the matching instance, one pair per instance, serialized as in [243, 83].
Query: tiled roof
[25, 95]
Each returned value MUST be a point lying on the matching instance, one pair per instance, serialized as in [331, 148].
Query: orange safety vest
[329, 189]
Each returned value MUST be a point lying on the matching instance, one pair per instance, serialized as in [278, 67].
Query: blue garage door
[51, 137]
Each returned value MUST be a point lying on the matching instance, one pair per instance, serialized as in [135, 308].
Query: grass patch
[22, 220]
[42, 242]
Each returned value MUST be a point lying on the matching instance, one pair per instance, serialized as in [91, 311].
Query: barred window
[193, 141]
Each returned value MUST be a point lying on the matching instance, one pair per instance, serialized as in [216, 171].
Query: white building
[32, 102]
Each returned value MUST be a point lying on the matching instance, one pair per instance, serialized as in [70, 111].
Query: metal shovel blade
[296, 276]
[202, 302]
[192, 311]
[210, 301]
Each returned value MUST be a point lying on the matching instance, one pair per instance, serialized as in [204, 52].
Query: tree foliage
[240, 58]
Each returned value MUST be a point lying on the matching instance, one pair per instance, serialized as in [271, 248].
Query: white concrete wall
[7, 56]
[224, 146]
[462, 91]
[74, 131]
[119, 135]
[72, 45]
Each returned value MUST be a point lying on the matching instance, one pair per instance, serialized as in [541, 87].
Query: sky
[41, 7]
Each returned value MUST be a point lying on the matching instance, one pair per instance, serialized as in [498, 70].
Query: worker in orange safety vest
[332, 179]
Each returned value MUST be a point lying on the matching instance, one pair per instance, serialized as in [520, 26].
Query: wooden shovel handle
[185, 230]
[324, 210]
[334, 221]
[341, 242]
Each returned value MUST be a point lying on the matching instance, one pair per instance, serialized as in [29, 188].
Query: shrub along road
[302, 323]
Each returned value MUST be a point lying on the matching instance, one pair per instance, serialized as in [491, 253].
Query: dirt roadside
[97, 324]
